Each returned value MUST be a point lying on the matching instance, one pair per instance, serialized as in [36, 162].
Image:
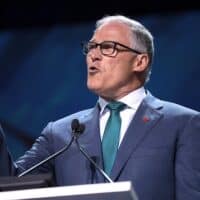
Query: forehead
[114, 31]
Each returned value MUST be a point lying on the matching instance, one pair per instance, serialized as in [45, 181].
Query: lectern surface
[100, 191]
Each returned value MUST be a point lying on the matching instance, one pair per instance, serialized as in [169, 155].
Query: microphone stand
[92, 161]
[48, 158]
[77, 129]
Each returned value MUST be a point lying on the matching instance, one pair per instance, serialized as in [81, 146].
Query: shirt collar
[132, 100]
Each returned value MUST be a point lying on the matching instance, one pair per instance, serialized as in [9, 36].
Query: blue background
[43, 72]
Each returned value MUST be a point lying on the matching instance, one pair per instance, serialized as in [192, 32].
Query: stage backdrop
[43, 72]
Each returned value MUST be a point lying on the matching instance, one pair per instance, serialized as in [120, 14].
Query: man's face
[111, 77]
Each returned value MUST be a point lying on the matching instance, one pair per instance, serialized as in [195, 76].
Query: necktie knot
[116, 106]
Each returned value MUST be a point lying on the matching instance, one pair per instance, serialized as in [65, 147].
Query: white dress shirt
[132, 101]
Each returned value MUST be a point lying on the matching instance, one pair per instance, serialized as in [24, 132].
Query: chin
[94, 88]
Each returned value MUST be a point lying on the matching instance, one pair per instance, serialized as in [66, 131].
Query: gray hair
[143, 39]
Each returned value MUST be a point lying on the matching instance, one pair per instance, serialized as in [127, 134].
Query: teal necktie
[110, 140]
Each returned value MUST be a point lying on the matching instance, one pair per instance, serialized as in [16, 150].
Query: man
[158, 142]
[5, 158]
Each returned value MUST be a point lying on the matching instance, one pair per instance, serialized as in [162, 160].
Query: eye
[91, 45]
[107, 45]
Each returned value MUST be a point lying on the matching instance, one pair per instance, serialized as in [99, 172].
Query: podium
[99, 191]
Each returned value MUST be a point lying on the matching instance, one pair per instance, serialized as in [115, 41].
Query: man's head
[119, 57]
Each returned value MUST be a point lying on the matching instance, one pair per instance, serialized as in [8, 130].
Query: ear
[141, 63]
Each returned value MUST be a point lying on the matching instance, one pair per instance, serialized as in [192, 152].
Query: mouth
[93, 70]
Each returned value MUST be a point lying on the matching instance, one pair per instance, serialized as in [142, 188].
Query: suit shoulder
[65, 123]
[178, 109]
[78, 115]
[167, 107]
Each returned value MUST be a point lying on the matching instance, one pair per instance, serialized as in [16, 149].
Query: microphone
[78, 131]
[77, 128]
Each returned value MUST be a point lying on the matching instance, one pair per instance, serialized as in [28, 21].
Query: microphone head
[81, 128]
[75, 125]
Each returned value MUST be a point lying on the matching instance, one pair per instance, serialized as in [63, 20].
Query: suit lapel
[145, 118]
[90, 139]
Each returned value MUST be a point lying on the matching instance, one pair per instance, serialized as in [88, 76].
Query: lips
[93, 70]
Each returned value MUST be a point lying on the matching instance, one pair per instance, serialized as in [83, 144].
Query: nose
[95, 54]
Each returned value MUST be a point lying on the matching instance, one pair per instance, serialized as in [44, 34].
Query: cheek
[87, 61]
[115, 68]
[121, 72]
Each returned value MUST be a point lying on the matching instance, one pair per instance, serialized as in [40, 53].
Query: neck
[118, 95]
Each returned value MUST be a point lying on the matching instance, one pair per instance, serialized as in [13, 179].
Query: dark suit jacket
[160, 153]
[6, 164]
